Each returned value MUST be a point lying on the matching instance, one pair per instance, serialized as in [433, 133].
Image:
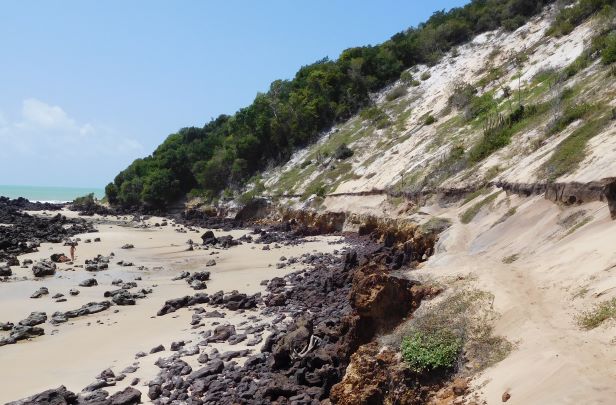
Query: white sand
[75, 352]
[539, 297]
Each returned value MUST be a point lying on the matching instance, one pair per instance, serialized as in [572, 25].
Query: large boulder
[128, 396]
[5, 270]
[59, 258]
[44, 268]
[57, 396]
[213, 367]
[294, 341]
[208, 238]
[89, 282]
[40, 292]
[35, 318]
[88, 309]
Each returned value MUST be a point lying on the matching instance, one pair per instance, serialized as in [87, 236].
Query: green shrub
[511, 259]
[429, 120]
[316, 188]
[498, 135]
[376, 116]
[571, 114]
[461, 95]
[481, 105]
[431, 350]
[493, 74]
[436, 225]
[396, 93]
[572, 150]
[608, 54]
[343, 152]
[570, 17]
[406, 77]
[85, 202]
[425, 76]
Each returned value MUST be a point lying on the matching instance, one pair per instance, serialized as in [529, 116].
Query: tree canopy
[230, 149]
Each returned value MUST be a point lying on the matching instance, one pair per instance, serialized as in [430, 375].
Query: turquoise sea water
[52, 194]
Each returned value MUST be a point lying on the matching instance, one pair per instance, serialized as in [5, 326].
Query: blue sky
[87, 86]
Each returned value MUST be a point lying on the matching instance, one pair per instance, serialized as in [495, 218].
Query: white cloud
[47, 133]
[44, 115]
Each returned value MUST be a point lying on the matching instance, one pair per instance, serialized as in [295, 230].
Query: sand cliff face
[528, 224]
[410, 155]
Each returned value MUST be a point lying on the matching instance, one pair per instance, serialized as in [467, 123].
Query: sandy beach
[73, 353]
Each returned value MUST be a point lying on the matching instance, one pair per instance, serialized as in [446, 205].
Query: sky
[88, 86]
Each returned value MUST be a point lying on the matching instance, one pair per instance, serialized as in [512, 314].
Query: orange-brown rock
[377, 377]
[382, 300]
[315, 223]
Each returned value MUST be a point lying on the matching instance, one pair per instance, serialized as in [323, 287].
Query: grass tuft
[468, 215]
[571, 151]
[600, 313]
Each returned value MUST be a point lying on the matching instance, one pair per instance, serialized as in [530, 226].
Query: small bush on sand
[571, 151]
[396, 93]
[510, 259]
[425, 76]
[376, 116]
[434, 350]
[429, 120]
[343, 152]
[571, 114]
[440, 332]
[599, 314]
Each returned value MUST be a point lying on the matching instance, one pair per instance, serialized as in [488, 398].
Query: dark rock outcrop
[44, 268]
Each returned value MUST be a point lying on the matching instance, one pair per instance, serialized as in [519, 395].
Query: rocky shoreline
[297, 339]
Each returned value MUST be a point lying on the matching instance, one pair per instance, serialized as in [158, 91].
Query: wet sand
[75, 352]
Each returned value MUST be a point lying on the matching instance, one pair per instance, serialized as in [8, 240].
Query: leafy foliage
[608, 53]
[498, 134]
[572, 150]
[433, 350]
[230, 149]
[429, 120]
[85, 202]
[570, 17]
[343, 152]
[572, 113]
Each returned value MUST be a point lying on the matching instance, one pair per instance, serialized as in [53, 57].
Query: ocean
[49, 194]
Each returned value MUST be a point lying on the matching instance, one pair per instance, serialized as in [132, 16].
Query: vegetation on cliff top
[230, 149]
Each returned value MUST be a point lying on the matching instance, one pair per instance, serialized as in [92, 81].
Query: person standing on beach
[73, 251]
